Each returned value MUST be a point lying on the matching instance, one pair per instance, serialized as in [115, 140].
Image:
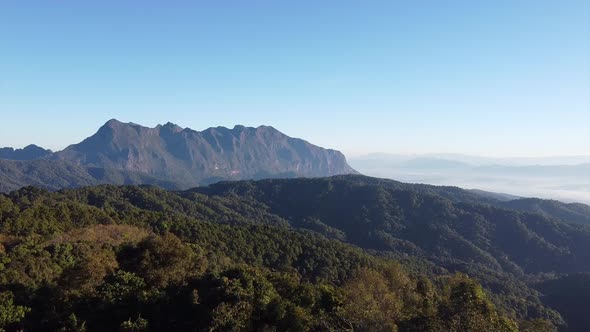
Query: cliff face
[192, 157]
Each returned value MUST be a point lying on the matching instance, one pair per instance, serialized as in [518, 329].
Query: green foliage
[372, 304]
[538, 324]
[161, 260]
[137, 325]
[270, 255]
[9, 312]
[467, 308]
[435, 230]
[120, 286]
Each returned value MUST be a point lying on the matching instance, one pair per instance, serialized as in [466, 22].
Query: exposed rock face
[190, 157]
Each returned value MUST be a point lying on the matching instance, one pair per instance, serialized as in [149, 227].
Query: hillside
[55, 174]
[434, 232]
[574, 212]
[387, 216]
[448, 227]
[143, 259]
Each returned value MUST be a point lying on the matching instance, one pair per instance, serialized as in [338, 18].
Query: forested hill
[567, 212]
[282, 254]
[444, 224]
[132, 258]
[573, 212]
[456, 230]
[55, 175]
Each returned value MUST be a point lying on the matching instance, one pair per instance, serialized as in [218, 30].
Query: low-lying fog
[563, 178]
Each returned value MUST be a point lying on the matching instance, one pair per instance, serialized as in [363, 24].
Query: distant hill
[573, 212]
[433, 163]
[127, 153]
[494, 195]
[29, 152]
[563, 178]
[476, 160]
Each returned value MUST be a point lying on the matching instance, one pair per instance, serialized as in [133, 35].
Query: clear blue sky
[497, 78]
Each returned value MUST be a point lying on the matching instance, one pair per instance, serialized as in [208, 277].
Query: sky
[492, 78]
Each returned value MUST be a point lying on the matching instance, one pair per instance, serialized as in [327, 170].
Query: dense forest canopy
[340, 253]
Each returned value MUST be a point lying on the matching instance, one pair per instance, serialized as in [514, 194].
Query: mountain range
[170, 156]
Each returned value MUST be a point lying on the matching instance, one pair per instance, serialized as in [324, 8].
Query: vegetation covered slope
[570, 294]
[143, 259]
[504, 249]
[385, 216]
[55, 174]
[574, 212]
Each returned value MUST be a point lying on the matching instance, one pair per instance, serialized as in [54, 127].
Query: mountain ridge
[172, 154]
[196, 157]
[29, 152]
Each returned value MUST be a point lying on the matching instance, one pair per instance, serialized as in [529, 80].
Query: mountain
[170, 156]
[29, 152]
[190, 157]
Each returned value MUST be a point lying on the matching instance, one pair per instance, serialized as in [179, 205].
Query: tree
[9, 312]
[536, 325]
[162, 260]
[370, 303]
[93, 264]
[465, 307]
[136, 325]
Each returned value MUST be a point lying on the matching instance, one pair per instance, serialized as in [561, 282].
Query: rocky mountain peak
[184, 155]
